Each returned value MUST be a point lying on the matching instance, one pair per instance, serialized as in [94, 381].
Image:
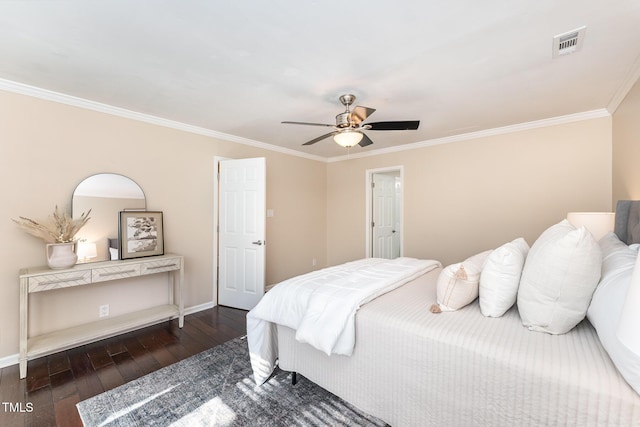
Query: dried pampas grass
[63, 229]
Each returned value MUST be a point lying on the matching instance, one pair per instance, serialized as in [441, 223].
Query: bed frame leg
[294, 378]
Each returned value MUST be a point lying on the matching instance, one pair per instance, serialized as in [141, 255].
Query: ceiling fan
[348, 128]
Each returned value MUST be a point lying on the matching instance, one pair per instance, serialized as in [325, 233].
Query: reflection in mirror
[105, 194]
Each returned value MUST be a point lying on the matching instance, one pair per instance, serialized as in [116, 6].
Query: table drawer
[159, 266]
[59, 280]
[115, 273]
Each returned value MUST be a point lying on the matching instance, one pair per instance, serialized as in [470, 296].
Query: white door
[384, 216]
[241, 239]
[397, 214]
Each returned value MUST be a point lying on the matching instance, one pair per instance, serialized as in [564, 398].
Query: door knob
[257, 242]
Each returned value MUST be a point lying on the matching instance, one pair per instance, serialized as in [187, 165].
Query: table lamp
[598, 223]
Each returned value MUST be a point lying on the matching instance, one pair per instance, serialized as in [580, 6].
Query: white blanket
[321, 306]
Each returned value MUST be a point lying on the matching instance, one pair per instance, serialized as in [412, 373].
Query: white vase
[61, 255]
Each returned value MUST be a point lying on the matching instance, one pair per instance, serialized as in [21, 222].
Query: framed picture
[140, 234]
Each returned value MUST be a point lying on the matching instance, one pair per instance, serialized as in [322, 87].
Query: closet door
[385, 238]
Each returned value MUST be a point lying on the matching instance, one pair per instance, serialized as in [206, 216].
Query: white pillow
[458, 283]
[560, 274]
[500, 278]
[618, 262]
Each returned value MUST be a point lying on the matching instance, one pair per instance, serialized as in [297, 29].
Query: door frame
[216, 231]
[369, 207]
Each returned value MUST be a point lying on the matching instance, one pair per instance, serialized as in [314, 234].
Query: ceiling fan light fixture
[348, 138]
[349, 125]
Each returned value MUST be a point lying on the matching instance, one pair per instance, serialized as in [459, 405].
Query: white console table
[40, 279]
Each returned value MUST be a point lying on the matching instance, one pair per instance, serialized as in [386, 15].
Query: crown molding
[625, 87]
[74, 101]
[587, 115]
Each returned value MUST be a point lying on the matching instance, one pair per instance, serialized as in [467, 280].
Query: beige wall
[468, 196]
[48, 148]
[459, 199]
[626, 147]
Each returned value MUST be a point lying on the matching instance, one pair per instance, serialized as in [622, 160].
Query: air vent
[570, 42]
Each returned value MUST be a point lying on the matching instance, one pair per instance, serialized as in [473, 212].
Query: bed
[411, 367]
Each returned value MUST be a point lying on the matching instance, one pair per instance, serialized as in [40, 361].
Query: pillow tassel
[435, 308]
[461, 273]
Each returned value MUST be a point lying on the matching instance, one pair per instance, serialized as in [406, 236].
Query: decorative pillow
[500, 277]
[618, 261]
[560, 274]
[458, 283]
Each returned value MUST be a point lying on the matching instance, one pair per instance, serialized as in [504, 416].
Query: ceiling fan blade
[307, 124]
[365, 141]
[320, 138]
[359, 114]
[403, 125]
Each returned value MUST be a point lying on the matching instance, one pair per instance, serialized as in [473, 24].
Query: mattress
[411, 367]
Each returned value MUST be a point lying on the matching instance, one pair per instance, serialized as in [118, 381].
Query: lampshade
[87, 250]
[348, 138]
[628, 328]
[598, 223]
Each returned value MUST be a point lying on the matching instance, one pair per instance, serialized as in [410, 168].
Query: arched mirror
[105, 194]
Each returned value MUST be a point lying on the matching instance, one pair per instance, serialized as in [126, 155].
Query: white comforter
[321, 306]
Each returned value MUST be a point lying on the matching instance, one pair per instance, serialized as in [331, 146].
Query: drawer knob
[53, 282]
[154, 267]
[116, 272]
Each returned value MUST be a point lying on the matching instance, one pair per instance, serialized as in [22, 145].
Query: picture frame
[140, 234]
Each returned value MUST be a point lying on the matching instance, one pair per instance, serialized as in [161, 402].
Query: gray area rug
[216, 388]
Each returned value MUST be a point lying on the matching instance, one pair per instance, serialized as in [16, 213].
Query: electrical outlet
[104, 310]
[313, 262]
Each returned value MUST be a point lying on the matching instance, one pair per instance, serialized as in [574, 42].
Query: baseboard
[13, 359]
[197, 308]
[9, 360]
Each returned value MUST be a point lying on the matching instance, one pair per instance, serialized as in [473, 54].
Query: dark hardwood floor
[54, 384]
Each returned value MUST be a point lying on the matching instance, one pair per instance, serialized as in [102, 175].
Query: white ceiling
[241, 67]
